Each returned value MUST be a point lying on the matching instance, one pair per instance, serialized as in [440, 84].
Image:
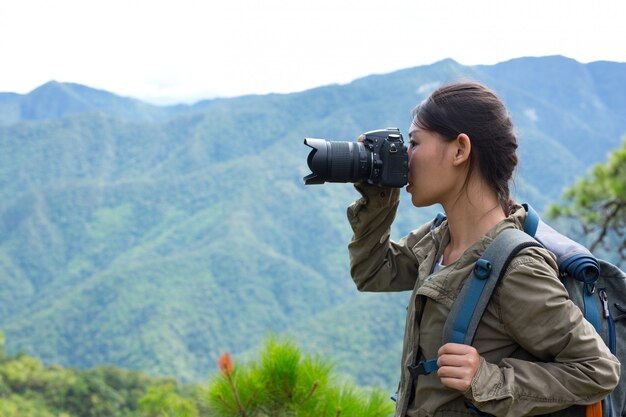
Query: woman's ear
[462, 149]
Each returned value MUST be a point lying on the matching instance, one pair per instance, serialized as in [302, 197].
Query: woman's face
[431, 177]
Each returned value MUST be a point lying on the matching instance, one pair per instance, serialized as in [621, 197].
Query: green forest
[140, 243]
[282, 381]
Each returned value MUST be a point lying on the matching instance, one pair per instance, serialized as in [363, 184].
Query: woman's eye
[412, 144]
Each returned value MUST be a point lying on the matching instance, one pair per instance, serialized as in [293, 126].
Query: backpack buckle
[482, 269]
[423, 368]
[416, 370]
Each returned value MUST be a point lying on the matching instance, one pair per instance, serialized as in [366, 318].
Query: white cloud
[531, 114]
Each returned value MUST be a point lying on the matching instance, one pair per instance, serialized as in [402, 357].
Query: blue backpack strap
[438, 220]
[531, 223]
[470, 304]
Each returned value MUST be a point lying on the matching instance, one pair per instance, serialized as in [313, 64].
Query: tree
[164, 401]
[598, 203]
[285, 383]
[281, 383]
[2, 352]
[19, 406]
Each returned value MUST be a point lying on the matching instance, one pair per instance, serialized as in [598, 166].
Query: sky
[181, 51]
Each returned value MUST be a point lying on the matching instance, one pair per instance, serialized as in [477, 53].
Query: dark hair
[475, 110]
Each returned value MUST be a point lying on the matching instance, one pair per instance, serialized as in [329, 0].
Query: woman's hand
[457, 365]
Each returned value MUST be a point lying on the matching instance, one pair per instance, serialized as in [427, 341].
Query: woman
[533, 352]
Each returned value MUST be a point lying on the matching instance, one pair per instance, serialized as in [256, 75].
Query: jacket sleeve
[575, 366]
[376, 262]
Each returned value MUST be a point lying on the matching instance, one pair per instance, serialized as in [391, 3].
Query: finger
[452, 360]
[465, 364]
[456, 378]
[456, 384]
[455, 372]
[455, 349]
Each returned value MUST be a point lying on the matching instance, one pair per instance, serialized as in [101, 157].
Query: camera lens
[337, 161]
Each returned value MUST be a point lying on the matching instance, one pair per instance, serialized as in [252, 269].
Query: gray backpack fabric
[598, 288]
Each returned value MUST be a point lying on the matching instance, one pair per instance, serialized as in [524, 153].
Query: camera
[380, 159]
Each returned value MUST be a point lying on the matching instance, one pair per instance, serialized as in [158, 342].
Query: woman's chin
[420, 202]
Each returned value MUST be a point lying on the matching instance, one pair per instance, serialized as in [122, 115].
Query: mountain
[53, 100]
[156, 238]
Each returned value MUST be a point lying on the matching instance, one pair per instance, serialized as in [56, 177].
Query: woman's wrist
[376, 196]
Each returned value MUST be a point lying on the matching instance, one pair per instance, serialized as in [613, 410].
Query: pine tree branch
[223, 401]
[310, 393]
[241, 408]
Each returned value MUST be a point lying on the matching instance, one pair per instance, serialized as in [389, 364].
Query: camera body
[379, 159]
[389, 157]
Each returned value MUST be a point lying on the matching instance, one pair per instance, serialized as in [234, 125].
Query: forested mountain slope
[156, 238]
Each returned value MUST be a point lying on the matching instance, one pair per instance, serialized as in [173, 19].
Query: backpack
[597, 287]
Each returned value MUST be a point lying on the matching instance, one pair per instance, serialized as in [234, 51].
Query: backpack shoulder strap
[438, 220]
[470, 304]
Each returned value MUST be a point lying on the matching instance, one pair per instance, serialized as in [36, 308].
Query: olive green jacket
[538, 354]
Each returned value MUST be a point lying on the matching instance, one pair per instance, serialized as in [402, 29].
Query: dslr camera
[380, 159]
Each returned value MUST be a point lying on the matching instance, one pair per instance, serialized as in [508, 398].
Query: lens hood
[317, 161]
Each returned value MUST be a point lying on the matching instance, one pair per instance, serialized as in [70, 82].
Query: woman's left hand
[457, 365]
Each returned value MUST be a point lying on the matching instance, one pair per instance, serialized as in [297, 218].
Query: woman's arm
[376, 262]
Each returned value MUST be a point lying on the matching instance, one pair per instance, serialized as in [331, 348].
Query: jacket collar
[441, 235]
[430, 248]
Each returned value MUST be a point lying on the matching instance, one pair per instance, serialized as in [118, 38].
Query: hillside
[155, 238]
[53, 100]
